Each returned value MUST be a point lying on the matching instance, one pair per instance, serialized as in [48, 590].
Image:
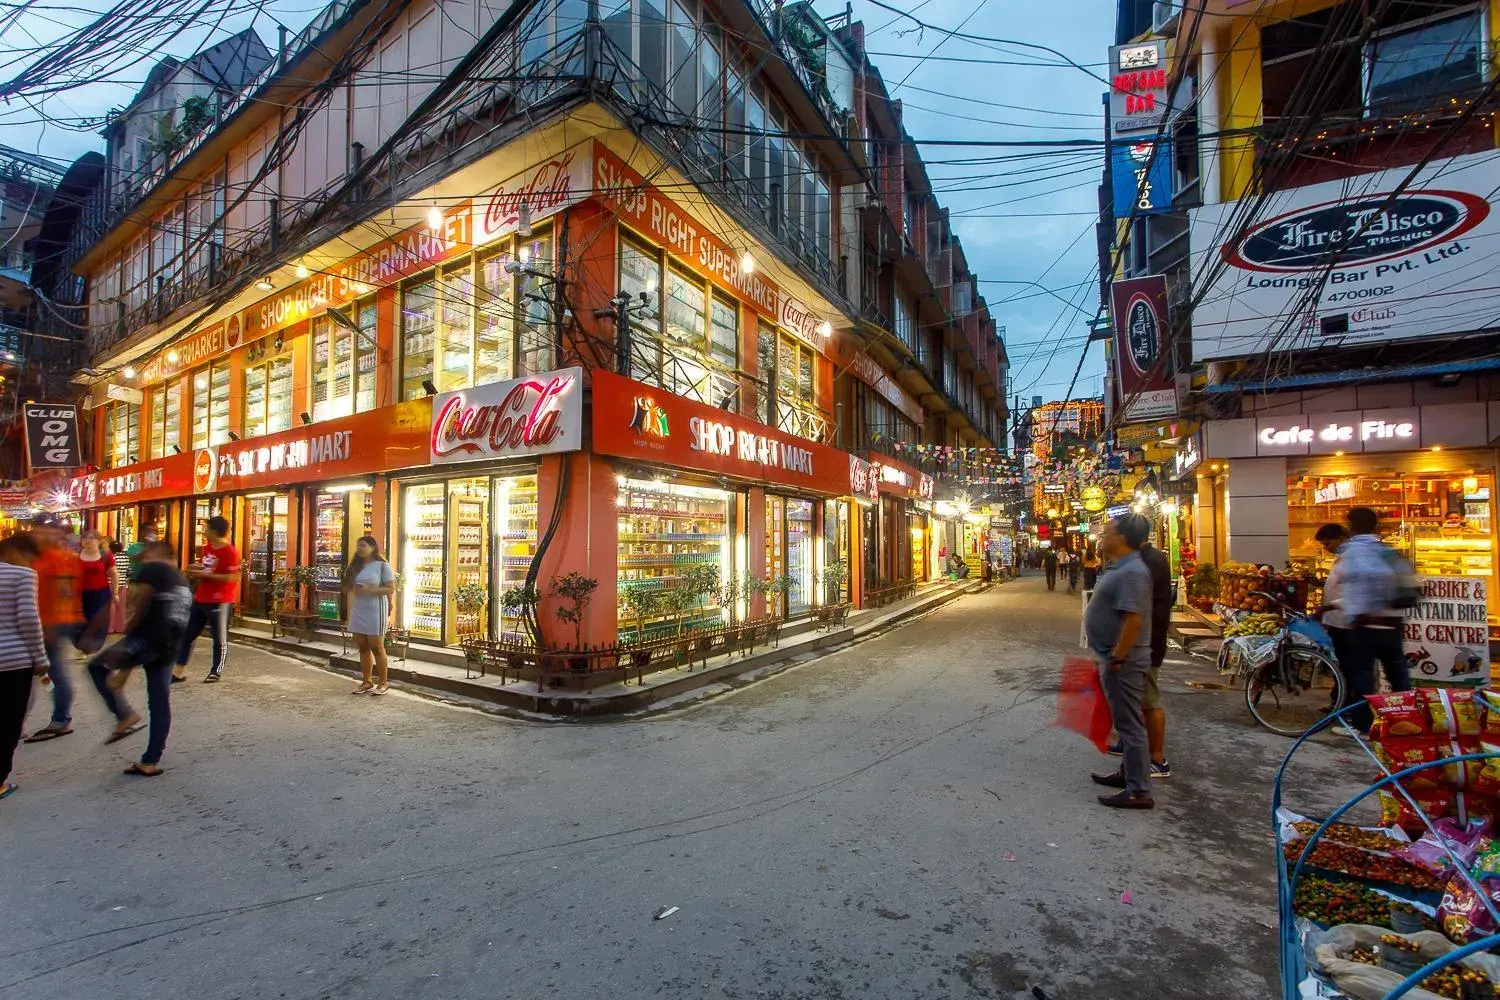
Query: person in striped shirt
[22, 652]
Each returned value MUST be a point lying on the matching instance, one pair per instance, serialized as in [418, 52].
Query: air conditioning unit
[1164, 16]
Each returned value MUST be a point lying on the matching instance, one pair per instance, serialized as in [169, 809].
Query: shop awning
[1390, 374]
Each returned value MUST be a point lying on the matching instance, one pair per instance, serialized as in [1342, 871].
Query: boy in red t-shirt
[217, 574]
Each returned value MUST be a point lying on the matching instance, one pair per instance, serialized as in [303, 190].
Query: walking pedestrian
[23, 654]
[217, 573]
[369, 583]
[1075, 566]
[1117, 624]
[1369, 589]
[1049, 564]
[133, 552]
[1332, 537]
[1160, 569]
[1090, 569]
[60, 604]
[97, 581]
[159, 609]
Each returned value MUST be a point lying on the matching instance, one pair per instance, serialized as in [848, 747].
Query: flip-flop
[138, 771]
[120, 734]
[43, 735]
[10, 789]
[211, 679]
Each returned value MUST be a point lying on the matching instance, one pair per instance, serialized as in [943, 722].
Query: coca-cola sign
[1366, 230]
[533, 415]
[543, 190]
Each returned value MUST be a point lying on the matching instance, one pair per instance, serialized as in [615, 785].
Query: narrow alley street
[893, 820]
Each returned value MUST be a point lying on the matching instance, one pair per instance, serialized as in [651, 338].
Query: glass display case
[515, 537]
[329, 553]
[800, 542]
[665, 529]
[1439, 521]
[447, 534]
[422, 560]
[265, 555]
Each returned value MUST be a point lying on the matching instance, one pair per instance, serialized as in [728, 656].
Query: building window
[906, 327]
[166, 418]
[268, 396]
[1407, 67]
[211, 405]
[122, 433]
[1419, 54]
[691, 346]
[792, 375]
[478, 326]
[343, 363]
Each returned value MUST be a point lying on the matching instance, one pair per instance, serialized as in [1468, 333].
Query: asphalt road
[892, 820]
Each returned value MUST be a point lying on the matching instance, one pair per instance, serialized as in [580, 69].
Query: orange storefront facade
[426, 392]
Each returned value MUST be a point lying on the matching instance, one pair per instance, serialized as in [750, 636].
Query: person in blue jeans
[159, 605]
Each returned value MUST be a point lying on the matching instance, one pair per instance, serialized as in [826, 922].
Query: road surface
[892, 820]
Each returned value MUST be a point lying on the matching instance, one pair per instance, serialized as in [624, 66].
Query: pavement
[894, 819]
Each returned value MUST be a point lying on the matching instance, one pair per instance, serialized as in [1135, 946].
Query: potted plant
[279, 590]
[519, 601]
[698, 583]
[306, 580]
[469, 599]
[835, 575]
[779, 587]
[578, 591]
[638, 603]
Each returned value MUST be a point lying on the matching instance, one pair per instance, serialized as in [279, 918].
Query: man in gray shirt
[1117, 623]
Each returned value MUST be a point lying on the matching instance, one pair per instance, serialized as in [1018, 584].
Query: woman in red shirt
[97, 585]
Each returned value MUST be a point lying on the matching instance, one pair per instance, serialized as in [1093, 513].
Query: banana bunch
[1254, 625]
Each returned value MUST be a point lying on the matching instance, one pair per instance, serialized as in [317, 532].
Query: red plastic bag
[1082, 707]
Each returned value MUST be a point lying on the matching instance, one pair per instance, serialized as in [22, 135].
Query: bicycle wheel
[1291, 709]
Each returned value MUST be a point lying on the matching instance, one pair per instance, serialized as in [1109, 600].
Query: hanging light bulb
[747, 263]
[825, 329]
[129, 372]
[434, 217]
[523, 253]
[302, 271]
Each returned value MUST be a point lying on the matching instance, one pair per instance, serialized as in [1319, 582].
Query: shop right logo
[649, 419]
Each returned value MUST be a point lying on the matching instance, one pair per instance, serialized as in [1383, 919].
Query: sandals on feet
[48, 733]
[365, 688]
[120, 734]
[143, 770]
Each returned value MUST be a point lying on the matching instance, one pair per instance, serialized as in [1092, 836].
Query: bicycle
[1300, 683]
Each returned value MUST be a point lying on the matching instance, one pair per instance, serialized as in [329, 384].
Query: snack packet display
[1399, 753]
[1394, 810]
[1452, 711]
[1455, 842]
[1399, 713]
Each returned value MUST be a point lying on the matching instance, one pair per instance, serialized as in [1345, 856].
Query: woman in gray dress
[368, 585]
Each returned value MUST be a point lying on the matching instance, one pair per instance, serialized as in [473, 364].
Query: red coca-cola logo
[204, 470]
[549, 187]
[528, 418]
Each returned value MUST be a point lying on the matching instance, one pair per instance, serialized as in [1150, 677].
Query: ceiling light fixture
[266, 285]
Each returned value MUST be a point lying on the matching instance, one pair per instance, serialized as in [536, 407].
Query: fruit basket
[1365, 912]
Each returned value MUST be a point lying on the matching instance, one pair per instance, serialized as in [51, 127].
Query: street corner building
[633, 292]
[1301, 272]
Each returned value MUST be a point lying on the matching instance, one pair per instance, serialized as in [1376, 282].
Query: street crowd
[1129, 613]
[60, 593]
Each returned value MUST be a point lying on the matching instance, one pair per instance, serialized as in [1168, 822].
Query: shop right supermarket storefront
[1269, 482]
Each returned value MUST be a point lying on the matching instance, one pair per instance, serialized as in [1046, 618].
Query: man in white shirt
[1365, 585]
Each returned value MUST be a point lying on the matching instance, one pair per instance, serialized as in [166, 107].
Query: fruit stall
[1409, 905]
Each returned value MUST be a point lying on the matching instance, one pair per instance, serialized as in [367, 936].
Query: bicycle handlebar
[1279, 602]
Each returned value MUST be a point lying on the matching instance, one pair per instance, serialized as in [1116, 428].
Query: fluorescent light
[345, 487]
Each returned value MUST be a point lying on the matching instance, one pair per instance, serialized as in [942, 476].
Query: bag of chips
[1487, 780]
[1452, 711]
[1394, 810]
[1399, 713]
[1398, 754]
[1455, 842]
[1462, 773]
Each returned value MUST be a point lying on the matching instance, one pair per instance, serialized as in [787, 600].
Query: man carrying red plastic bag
[1117, 624]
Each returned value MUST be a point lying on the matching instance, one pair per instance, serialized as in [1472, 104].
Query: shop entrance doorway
[266, 537]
